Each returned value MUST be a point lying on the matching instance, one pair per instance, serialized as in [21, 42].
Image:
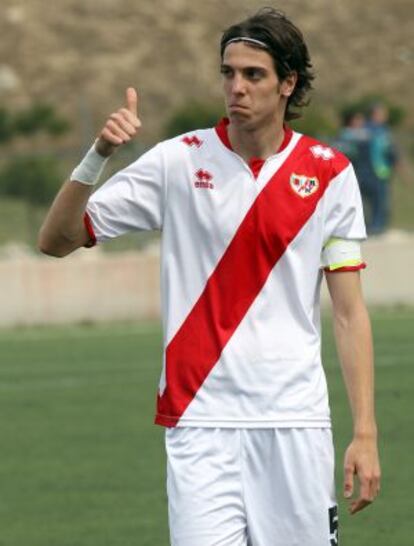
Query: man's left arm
[355, 349]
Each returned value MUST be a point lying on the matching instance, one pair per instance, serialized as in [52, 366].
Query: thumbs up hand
[121, 126]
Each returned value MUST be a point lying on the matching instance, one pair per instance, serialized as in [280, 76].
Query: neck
[260, 142]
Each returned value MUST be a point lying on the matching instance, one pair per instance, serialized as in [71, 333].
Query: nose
[238, 84]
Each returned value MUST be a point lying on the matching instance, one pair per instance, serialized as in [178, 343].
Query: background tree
[32, 178]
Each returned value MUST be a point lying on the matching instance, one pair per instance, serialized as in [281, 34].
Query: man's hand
[361, 459]
[121, 127]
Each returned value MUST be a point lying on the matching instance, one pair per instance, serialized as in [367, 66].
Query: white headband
[245, 39]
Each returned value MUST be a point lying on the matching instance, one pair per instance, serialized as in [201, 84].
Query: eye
[254, 74]
[226, 71]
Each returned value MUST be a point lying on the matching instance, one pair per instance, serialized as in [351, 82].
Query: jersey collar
[255, 163]
[221, 130]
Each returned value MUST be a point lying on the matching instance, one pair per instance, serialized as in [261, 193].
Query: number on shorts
[333, 525]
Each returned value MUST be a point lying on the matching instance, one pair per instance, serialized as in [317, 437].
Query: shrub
[315, 122]
[6, 126]
[40, 117]
[364, 104]
[191, 116]
[34, 179]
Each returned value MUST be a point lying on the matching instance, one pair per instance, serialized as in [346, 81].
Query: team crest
[304, 185]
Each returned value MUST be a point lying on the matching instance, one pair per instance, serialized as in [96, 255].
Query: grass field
[83, 465]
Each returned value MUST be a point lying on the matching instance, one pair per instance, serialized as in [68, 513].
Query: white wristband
[90, 168]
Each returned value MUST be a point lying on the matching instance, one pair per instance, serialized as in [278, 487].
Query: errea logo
[203, 180]
[322, 152]
[192, 141]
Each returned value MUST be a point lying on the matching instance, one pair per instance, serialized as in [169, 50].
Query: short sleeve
[131, 200]
[344, 216]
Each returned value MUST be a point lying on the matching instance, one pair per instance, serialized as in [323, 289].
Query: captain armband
[90, 168]
[342, 255]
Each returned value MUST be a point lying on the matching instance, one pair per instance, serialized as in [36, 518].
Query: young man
[251, 214]
[382, 160]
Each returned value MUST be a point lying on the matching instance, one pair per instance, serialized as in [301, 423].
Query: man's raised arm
[63, 230]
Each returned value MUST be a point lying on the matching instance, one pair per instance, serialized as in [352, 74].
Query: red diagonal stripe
[272, 222]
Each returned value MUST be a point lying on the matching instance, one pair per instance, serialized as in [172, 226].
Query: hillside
[81, 54]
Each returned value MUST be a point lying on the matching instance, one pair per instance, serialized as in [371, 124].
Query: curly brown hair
[286, 45]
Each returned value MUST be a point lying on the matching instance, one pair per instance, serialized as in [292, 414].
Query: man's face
[254, 96]
[379, 114]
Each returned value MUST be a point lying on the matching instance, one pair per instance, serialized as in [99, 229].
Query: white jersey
[241, 266]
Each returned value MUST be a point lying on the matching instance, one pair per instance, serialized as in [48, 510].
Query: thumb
[132, 100]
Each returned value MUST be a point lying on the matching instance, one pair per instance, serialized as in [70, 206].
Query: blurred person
[252, 214]
[382, 160]
[353, 140]
[368, 144]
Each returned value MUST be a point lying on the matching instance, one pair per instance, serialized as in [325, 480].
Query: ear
[288, 84]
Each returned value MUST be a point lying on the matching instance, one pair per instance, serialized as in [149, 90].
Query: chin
[240, 118]
[246, 123]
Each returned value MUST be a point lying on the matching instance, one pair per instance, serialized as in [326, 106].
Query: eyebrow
[255, 67]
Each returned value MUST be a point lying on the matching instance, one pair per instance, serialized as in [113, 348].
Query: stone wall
[93, 286]
[88, 287]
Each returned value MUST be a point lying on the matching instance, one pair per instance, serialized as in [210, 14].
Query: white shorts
[251, 487]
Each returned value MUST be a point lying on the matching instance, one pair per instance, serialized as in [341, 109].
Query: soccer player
[252, 215]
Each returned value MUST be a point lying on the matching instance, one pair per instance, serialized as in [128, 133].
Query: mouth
[234, 108]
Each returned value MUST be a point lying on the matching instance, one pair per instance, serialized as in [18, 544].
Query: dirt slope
[81, 54]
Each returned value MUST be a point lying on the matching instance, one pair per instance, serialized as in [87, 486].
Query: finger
[130, 117]
[358, 505]
[375, 487]
[110, 137]
[348, 481]
[124, 124]
[365, 492]
[365, 497]
[116, 130]
[376, 481]
[132, 100]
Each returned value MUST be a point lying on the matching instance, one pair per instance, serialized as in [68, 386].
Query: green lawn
[83, 465]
